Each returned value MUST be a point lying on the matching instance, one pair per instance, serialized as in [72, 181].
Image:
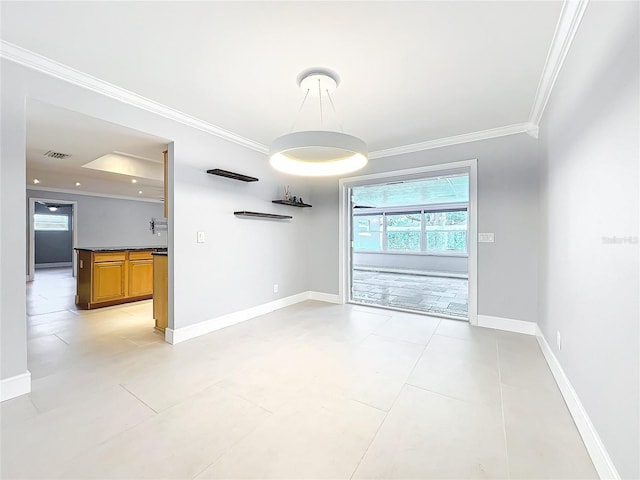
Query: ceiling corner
[568, 23]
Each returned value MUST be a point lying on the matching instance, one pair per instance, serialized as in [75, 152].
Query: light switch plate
[201, 237]
[486, 237]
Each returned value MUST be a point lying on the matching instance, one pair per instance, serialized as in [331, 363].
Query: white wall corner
[533, 130]
[179, 335]
[568, 23]
[507, 324]
[324, 297]
[596, 449]
[15, 386]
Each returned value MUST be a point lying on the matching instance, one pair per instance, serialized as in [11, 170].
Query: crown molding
[50, 67]
[527, 128]
[568, 23]
[92, 194]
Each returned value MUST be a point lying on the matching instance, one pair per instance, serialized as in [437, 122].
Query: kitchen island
[114, 275]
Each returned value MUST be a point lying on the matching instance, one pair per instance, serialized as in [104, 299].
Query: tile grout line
[237, 442]
[138, 398]
[375, 435]
[444, 395]
[504, 423]
[61, 339]
[368, 405]
[234, 394]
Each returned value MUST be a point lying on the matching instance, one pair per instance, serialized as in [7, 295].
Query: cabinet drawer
[109, 256]
[141, 255]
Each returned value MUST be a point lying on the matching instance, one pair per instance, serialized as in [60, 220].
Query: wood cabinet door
[108, 281]
[140, 277]
[160, 293]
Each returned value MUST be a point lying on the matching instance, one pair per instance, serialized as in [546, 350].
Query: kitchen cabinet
[140, 273]
[110, 277]
[108, 281]
[160, 290]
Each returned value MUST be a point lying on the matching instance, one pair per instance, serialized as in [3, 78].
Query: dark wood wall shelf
[292, 204]
[262, 215]
[234, 175]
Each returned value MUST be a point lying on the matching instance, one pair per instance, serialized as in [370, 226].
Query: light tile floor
[421, 293]
[310, 391]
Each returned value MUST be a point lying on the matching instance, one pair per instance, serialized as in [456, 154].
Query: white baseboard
[324, 297]
[508, 324]
[178, 335]
[598, 453]
[15, 386]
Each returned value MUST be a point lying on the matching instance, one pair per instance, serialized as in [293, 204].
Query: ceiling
[410, 72]
[86, 139]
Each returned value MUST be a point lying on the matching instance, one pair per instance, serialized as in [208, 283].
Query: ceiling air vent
[52, 154]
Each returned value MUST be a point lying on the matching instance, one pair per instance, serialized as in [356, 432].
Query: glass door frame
[346, 229]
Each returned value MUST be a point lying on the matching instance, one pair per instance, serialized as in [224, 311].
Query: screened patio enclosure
[410, 245]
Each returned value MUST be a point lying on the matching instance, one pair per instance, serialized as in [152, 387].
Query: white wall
[589, 289]
[111, 222]
[507, 206]
[234, 269]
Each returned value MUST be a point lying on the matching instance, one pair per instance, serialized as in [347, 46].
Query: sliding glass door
[410, 245]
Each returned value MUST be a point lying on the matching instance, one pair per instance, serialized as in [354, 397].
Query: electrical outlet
[201, 237]
[486, 237]
[275, 288]
[559, 340]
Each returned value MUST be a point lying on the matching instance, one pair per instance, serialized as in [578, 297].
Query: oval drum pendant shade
[318, 153]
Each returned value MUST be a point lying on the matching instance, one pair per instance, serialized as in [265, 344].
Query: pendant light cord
[334, 111]
[320, 97]
[299, 110]
[333, 107]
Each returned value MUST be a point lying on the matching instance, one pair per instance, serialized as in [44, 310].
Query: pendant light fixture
[318, 153]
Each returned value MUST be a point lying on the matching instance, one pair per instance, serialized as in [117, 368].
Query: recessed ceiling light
[36, 181]
[140, 192]
[77, 184]
[133, 180]
[52, 208]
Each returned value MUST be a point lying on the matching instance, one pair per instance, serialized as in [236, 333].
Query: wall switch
[486, 237]
[275, 288]
[559, 340]
[201, 237]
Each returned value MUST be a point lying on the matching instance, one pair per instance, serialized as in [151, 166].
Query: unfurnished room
[320, 240]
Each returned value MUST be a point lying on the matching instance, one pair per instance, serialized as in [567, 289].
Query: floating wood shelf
[234, 175]
[262, 215]
[290, 203]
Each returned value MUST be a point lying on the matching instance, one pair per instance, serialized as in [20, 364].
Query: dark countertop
[117, 249]
[160, 253]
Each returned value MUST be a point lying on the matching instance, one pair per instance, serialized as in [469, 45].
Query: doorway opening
[100, 184]
[52, 239]
[52, 236]
[410, 240]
